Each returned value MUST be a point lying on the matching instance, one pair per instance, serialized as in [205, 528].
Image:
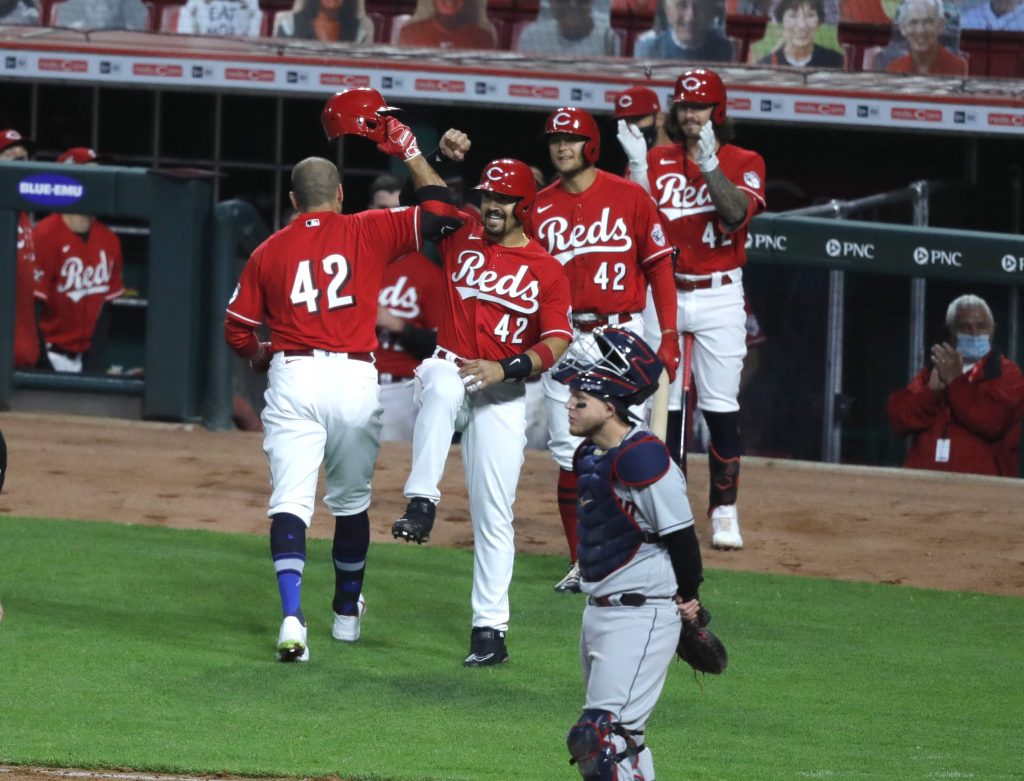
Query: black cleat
[416, 523]
[486, 648]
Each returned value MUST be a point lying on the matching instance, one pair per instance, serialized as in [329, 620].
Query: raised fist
[398, 141]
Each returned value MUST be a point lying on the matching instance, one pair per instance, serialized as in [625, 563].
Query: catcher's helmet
[576, 122]
[636, 102]
[616, 365]
[510, 177]
[702, 85]
[355, 112]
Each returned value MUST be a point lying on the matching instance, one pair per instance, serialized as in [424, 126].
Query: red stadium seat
[509, 17]
[744, 31]
[993, 53]
[632, 18]
[383, 13]
[859, 38]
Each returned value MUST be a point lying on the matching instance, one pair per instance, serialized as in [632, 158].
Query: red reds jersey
[690, 218]
[412, 290]
[603, 237]
[499, 301]
[315, 282]
[26, 340]
[78, 277]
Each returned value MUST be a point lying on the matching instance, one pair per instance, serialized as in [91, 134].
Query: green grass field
[132, 646]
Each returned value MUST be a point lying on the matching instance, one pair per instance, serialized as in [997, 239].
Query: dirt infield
[881, 525]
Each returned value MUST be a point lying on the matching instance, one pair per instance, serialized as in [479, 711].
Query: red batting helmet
[636, 102]
[510, 177]
[355, 112]
[702, 85]
[576, 122]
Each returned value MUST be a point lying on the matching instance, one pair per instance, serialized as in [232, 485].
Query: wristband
[547, 358]
[518, 367]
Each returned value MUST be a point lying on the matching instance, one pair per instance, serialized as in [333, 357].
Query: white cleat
[725, 527]
[346, 628]
[291, 641]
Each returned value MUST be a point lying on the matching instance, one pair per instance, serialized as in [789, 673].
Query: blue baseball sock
[351, 542]
[288, 548]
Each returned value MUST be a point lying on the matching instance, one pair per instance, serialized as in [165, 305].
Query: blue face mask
[973, 348]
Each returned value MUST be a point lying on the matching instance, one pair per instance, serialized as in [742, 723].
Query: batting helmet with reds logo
[616, 365]
[636, 102]
[703, 86]
[576, 122]
[355, 112]
[510, 177]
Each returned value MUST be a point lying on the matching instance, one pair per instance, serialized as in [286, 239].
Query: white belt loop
[716, 279]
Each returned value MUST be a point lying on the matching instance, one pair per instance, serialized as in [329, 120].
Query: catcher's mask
[615, 365]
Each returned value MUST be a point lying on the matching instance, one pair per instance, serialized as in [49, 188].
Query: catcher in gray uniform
[638, 552]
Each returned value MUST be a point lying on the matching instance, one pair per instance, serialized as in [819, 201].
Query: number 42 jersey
[315, 282]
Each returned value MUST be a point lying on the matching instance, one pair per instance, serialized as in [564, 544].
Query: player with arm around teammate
[606, 233]
[506, 317]
[639, 555]
[315, 283]
[707, 190]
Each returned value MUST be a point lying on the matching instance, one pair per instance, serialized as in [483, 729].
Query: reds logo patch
[658, 235]
[752, 180]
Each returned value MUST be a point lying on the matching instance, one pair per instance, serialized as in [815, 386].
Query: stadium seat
[633, 18]
[745, 30]
[861, 40]
[993, 52]
[397, 23]
[509, 17]
[383, 13]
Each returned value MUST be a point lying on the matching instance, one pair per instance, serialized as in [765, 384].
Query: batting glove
[707, 146]
[633, 144]
[668, 353]
[399, 141]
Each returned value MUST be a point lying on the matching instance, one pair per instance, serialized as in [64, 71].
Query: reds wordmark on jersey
[75, 278]
[411, 290]
[691, 221]
[499, 301]
[315, 282]
[602, 236]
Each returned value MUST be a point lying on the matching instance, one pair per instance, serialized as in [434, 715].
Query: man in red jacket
[964, 412]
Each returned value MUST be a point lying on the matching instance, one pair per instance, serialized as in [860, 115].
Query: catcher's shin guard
[725, 479]
[597, 746]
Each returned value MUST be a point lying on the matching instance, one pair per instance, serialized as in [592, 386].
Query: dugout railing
[840, 245]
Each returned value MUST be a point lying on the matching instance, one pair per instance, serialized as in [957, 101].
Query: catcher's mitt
[700, 648]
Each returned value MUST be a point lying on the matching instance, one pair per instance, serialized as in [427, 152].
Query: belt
[588, 321]
[448, 355]
[621, 600]
[364, 357]
[686, 285]
[61, 351]
[385, 377]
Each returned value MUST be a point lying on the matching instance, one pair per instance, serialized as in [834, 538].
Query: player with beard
[606, 232]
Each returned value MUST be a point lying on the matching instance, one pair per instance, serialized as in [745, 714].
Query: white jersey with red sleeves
[603, 237]
[76, 277]
[499, 301]
[690, 218]
[315, 282]
[411, 290]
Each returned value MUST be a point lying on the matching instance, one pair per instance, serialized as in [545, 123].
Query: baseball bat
[687, 378]
[659, 407]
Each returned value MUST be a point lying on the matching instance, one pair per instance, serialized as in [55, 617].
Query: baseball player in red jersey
[640, 126]
[79, 261]
[315, 283]
[14, 146]
[410, 309]
[506, 317]
[606, 233]
[707, 190]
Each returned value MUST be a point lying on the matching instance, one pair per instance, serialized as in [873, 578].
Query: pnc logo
[937, 257]
[835, 248]
[765, 241]
[1011, 263]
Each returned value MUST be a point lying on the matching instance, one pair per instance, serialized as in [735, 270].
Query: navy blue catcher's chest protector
[608, 532]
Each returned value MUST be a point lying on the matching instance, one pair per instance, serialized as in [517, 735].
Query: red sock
[567, 495]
